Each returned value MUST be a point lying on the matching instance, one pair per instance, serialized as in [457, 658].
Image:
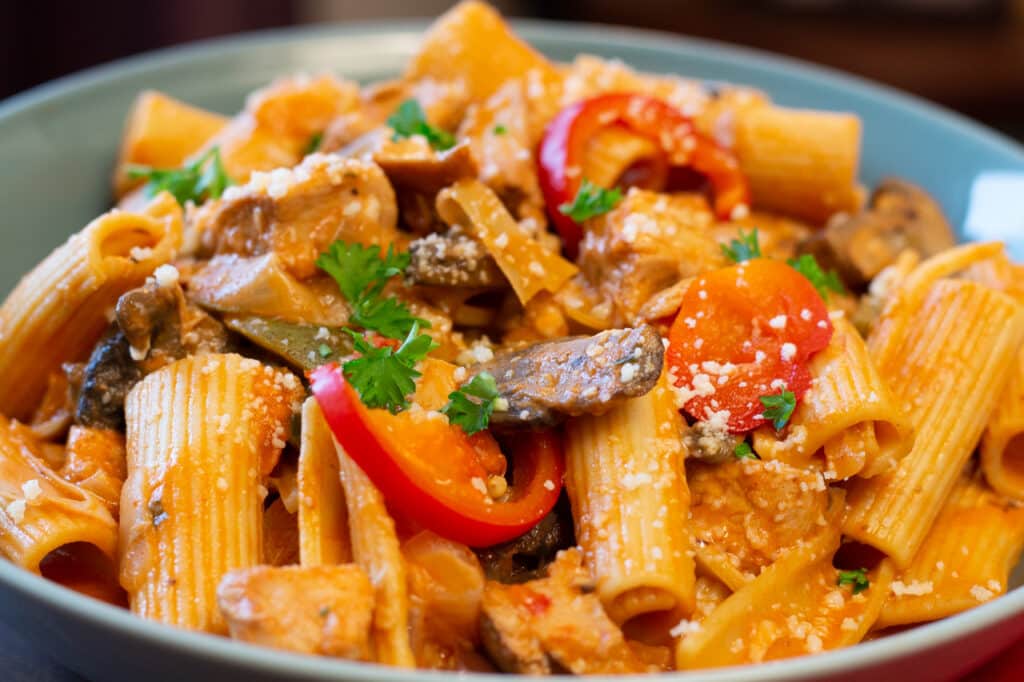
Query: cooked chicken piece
[647, 244]
[452, 260]
[900, 216]
[548, 381]
[296, 213]
[555, 624]
[528, 556]
[710, 442]
[323, 610]
[754, 510]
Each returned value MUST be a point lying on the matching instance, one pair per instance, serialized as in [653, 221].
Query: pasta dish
[514, 365]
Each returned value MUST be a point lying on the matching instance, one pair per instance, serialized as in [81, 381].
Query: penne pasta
[1002, 444]
[95, 461]
[849, 415]
[162, 132]
[965, 560]
[203, 433]
[376, 550]
[323, 516]
[627, 485]
[58, 311]
[928, 321]
[41, 512]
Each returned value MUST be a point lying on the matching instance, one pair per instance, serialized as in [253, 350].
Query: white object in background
[996, 211]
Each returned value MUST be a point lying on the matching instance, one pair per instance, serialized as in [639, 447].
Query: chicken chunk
[325, 610]
[548, 381]
[296, 213]
[554, 624]
[647, 244]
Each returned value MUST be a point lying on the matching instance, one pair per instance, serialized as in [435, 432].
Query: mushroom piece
[900, 216]
[528, 556]
[452, 260]
[109, 375]
[548, 381]
[711, 442]
[555, 624]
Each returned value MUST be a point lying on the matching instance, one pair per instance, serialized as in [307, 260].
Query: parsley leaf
[362, 274]
[409, 120]
[743, 249]
[204, 178]
[314, 143]
[778, 408]
[499, 129]
[591, 201]
[384, 377]
[858, 578]
[472, 415]
[744, 451]
[823, 281]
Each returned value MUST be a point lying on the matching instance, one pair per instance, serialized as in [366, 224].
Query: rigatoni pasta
[203, 433]
[507, 364]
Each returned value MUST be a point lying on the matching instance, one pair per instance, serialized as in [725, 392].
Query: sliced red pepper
[744, 332]
[562, 152]
[433, 473]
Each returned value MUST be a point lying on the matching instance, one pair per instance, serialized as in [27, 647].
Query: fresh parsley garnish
[314, 143]
[409, 120]
[591, 201]
[361, 275]
[472, 415]
[204, 178]
[744, 451]
[823, 281]
[384, 377]
[858, 578]
[324, 350]
[778, 408]
[499, 129]
[743, 249]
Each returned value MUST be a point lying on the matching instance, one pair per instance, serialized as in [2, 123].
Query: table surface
[21, 664]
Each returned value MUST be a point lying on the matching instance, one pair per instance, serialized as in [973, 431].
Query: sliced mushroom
[548, 381]
[109, 375]
[900, 216]
[710, 442]
[414, 165]
[452, 260]
[555, 624]
[528, 556]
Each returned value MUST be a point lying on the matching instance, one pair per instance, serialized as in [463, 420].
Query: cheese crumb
[31, 489]
[778, 322]
[166, 276]
[684, 627]
[914, 589]
[628, 372]
[788, 351]
[16, 510]
[549, 484]
[981, 593]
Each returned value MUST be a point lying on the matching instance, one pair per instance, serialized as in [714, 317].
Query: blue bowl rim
[65, 602]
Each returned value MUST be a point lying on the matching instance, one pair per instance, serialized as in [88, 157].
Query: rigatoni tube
[203, 433]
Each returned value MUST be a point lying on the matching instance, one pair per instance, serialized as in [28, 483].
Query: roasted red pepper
[744, 332]
[434, 474]
[564, 145]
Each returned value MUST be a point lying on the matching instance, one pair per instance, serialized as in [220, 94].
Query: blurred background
[965, 54]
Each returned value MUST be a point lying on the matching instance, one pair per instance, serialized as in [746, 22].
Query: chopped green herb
[409, 120]
[499, 129]
[324, 350]
[743, 249]
[744, 451]
[472, 415]
[384, 377]
[823, 281]
[361, 274]
[591, 201]
[778, 408]
[314, 142]
[858, 578]
[204, 178]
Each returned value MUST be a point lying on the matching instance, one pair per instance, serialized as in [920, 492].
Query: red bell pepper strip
[565, 140]
[429, 471]
[744, 332]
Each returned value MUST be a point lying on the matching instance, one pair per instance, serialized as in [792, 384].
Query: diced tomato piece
[744, 332]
